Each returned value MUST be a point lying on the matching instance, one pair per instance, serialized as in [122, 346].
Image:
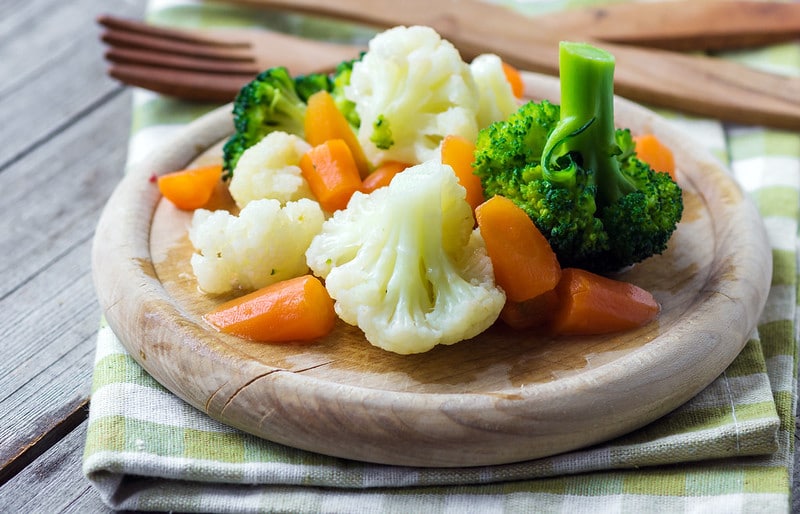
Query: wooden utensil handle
[451, 18]
[686, 25]
[706, 86]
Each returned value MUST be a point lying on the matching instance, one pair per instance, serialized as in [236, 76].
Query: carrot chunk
[298, 309]
[458, 152]
[514, 77]
[592, 304]
[331, 174]
[324, 121]
[382, 175]
[525, 265]
[655, 153]
[532, 313]
[192, 188]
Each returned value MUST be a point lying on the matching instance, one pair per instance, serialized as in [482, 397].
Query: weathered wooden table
[64, 128]
[64, 132]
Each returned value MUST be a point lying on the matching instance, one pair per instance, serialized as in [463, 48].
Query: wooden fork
[209, 65]
[213, 65]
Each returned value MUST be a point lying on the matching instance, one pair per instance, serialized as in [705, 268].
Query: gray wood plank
[54, 483]
[40, 101]
[48, 304]
[52, 68]
[52, 195]
[65, 128]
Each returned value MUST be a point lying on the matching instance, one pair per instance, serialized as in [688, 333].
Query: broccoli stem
[586, 125]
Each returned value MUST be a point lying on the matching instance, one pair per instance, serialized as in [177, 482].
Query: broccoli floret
[339, 80]
[233, 148]
[576, 175]
[307, 85]
[269, 102]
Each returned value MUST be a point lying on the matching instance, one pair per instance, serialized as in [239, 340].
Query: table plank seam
[36, 448]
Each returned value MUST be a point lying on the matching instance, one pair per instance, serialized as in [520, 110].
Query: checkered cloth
[729, 449]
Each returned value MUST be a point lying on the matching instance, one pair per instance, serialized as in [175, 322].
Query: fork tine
[121, 55]
[187, 36]
[185, 84]
[126, 39]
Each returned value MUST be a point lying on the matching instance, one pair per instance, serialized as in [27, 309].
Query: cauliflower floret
[411, 89]
[266, 243]
[271, 169]
[497, 100]
[405, 265]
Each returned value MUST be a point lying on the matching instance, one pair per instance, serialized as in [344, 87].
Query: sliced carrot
[525, 265]
[592, 304]
[298, 309]
[458, 152]
[655, 153]
[531, 313]
[331, 173]
[324, 121]
[514, 77]
[190, 188]
[382, 175]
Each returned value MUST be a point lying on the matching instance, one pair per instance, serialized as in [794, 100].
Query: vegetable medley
[416, 196]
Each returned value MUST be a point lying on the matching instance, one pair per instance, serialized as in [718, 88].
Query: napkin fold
[728, 449]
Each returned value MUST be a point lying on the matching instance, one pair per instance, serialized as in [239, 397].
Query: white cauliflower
[405, 265]
[411, 89]
[497, 100]
[266, 243]
[271, 169]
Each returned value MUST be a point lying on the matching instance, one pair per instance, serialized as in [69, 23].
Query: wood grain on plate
[502, 397]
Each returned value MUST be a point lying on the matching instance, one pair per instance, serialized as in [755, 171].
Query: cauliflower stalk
[405, 265]
[271, 169]
[265, 244]
[411, 89]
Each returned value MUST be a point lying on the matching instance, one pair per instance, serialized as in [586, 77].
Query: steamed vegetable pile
[415, 196]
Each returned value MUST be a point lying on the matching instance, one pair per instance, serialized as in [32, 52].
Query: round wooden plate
[502, 397]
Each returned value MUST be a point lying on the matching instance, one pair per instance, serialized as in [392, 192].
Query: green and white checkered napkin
[730, 449]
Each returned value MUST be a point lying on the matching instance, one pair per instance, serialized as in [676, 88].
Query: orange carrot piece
[458, 152]
[331, 173]
[655, 153]
[298, 309]
[324, 121]
[525, 265]
[592, 304]
[382, 175]
[191, 188]
[514, 77]
[531, 313]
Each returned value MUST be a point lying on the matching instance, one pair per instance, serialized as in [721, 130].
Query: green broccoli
[576, 175]
[233, 148]
[341, 79]
[268, 103]
[307, 85]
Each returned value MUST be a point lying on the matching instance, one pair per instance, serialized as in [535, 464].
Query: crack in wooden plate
[502, 397]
